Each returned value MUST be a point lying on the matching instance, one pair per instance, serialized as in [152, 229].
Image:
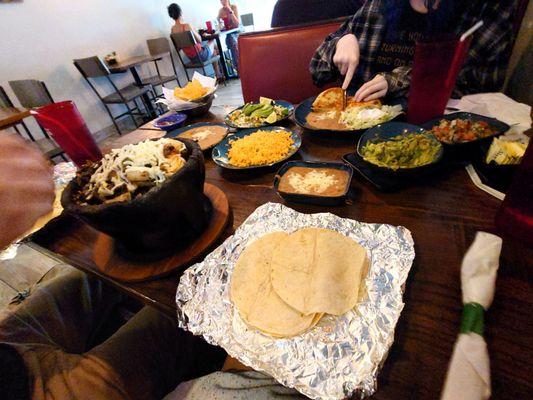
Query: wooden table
[443, 216]
[131, 65]
[216, 37]
[12, 115]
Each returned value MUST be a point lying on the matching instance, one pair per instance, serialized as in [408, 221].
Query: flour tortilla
[318, 270]
[252, 294]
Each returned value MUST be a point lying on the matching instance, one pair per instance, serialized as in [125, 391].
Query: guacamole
[402, 151]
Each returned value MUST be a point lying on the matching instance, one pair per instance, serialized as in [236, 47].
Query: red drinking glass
[515, 216]
[227, 23]
[435, 69]
[65, 124]
[209, 26]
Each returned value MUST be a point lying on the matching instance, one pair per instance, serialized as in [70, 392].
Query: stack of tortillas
[284, 283]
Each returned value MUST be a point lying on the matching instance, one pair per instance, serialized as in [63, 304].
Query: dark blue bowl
[498, 126]
[386, 132]
[305, 107]
[220, 151]
[282, 103]
[309, 198]
[170, 122]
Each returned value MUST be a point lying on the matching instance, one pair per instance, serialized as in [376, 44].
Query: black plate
[499, 126]
[304, 108]
[388, 182]
[282, 103]
[311, 199]
[389, 130]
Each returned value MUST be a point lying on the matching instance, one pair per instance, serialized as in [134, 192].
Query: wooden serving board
[108, 262]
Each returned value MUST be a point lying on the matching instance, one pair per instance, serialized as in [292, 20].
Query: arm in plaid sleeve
[399, 80]
[362, 25]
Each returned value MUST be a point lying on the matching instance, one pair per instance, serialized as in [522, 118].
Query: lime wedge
[271, 118]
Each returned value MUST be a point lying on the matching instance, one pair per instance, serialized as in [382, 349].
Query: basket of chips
[194, 99]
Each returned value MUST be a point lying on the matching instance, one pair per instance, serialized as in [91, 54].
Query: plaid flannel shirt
[484, 69]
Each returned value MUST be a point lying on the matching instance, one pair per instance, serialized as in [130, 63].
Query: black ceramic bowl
[309, 198]
[389, 130]
[158, 222]
[203, 107]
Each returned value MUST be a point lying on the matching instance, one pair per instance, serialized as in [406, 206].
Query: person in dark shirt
[51, 339]
[374, 49]
[293, 12]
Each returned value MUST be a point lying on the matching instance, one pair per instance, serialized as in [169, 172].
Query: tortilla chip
[330, 99]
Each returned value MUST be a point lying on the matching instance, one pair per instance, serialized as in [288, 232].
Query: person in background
[374, 49]
[293, 12]
[53, 341]
[200, 52]
[229, 15]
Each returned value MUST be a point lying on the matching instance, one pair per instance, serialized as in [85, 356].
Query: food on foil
[206, 136]
[403, 151]
[260, 148]
[192, 91]
[258, 114]
[130, 171]
[340, 357]
[506, 152]
[251, 291]
[461, 130]
[328, 182]
[283, 283]
[318, 270]
[327, 112]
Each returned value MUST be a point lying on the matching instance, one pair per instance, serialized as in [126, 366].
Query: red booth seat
[275, 63]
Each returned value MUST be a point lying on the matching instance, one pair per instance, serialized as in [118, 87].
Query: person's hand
[228, 9]
[26, 187]
[373, 89]
[346, 57]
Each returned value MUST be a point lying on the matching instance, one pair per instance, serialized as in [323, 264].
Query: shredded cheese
[260, 148]
[144, 161]
[311, 182]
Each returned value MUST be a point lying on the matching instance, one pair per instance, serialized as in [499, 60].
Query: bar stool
[32, 93]
[93, 67]
[160, 46]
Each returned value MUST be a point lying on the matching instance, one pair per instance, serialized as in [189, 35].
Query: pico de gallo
[461, 130]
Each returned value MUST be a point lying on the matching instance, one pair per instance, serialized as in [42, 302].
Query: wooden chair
[93, 67]
[46, 145]
[186, 39]
[156, 47]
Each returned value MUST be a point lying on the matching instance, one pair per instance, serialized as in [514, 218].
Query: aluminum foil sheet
[339, 357]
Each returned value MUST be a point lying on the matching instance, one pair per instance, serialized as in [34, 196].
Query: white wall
[39, 40]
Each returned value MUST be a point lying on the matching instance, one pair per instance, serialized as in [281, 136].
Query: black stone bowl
[157, 223]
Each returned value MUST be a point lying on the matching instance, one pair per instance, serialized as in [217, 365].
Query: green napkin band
[473, 318]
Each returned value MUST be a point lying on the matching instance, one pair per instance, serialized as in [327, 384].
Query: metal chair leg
[131, 114]
[27, 131]
[112, 119]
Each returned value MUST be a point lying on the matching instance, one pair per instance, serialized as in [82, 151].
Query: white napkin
[469, 370]
[496, 105]
[175, 104]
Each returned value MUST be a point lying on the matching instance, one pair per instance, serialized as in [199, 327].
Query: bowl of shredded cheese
[147, 196]
[256, 148]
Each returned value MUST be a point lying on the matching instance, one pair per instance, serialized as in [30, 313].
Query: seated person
[51, 341]
[293, 12]
[229, 15]
[374, 49]
[200, 52]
